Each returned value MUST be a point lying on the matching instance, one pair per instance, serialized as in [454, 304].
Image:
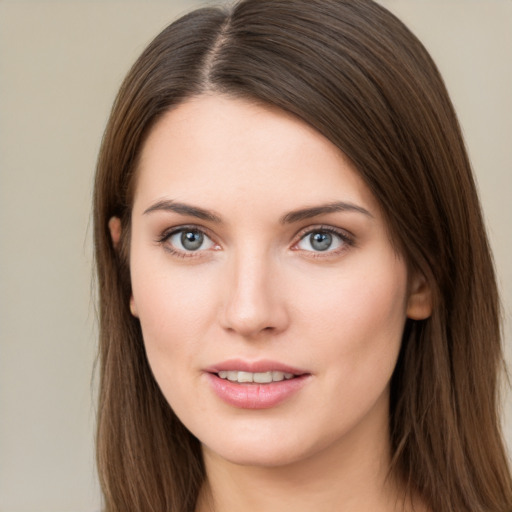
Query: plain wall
[61, 63]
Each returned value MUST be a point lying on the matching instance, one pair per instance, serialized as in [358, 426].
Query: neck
[350, 475]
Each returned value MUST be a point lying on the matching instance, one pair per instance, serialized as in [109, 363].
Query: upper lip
[259, 366]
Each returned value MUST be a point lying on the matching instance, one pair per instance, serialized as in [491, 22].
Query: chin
[256, 456]
[271, 450]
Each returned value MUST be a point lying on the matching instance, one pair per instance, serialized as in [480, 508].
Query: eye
[187, 240]
[323, 240]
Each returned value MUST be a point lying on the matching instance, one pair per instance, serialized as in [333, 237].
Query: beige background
[60, 66]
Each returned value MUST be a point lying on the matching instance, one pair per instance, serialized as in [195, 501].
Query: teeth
[258, 377]
[277, 376]
[232, 376]
[262, 378]
[245, 377]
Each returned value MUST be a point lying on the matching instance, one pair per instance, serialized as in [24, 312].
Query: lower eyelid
[338, 245]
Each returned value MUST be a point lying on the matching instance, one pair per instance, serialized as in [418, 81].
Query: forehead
[214, 149]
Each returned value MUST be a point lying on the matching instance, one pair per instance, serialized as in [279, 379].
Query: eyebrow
[307, 213]
[184, 209]
[289, 218]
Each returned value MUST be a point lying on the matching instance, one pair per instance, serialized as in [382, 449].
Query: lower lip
[255, 396]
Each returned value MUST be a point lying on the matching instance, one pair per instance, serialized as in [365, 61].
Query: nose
[254, 302]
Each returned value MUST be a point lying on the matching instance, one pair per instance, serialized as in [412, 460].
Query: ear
[114, 226]
[133, 307]
[419, 301]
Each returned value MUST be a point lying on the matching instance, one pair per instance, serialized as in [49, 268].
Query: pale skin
[254, 239]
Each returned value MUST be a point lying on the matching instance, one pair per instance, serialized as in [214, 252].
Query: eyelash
[346, 239]
[166, 235]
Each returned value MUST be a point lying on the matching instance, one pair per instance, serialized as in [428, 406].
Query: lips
[255, 385]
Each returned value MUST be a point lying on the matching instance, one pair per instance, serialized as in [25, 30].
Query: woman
[298, 308]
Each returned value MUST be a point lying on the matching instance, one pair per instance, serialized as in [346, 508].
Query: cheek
[172, 314]
[174, 308]
[356, 331]
[359, 317]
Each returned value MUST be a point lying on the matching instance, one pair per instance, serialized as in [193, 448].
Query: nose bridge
[253, 300]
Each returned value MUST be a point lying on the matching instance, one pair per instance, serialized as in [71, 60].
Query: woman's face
[258, 254]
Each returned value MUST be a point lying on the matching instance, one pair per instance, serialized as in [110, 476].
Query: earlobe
[114, 226]
[133, 308]
[419, 302]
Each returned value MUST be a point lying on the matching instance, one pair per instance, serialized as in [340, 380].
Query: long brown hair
[354, 72]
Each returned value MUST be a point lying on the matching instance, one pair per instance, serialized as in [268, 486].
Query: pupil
[191, 240]
[321, 241]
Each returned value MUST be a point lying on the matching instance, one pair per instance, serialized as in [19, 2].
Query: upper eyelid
[166, 233]
[323, 227]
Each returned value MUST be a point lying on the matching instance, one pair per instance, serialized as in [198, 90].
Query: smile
[259, 384]
[256, 377]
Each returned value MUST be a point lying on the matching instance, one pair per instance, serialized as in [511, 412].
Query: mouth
[256, 385]
[255, 377]
[255, 372]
